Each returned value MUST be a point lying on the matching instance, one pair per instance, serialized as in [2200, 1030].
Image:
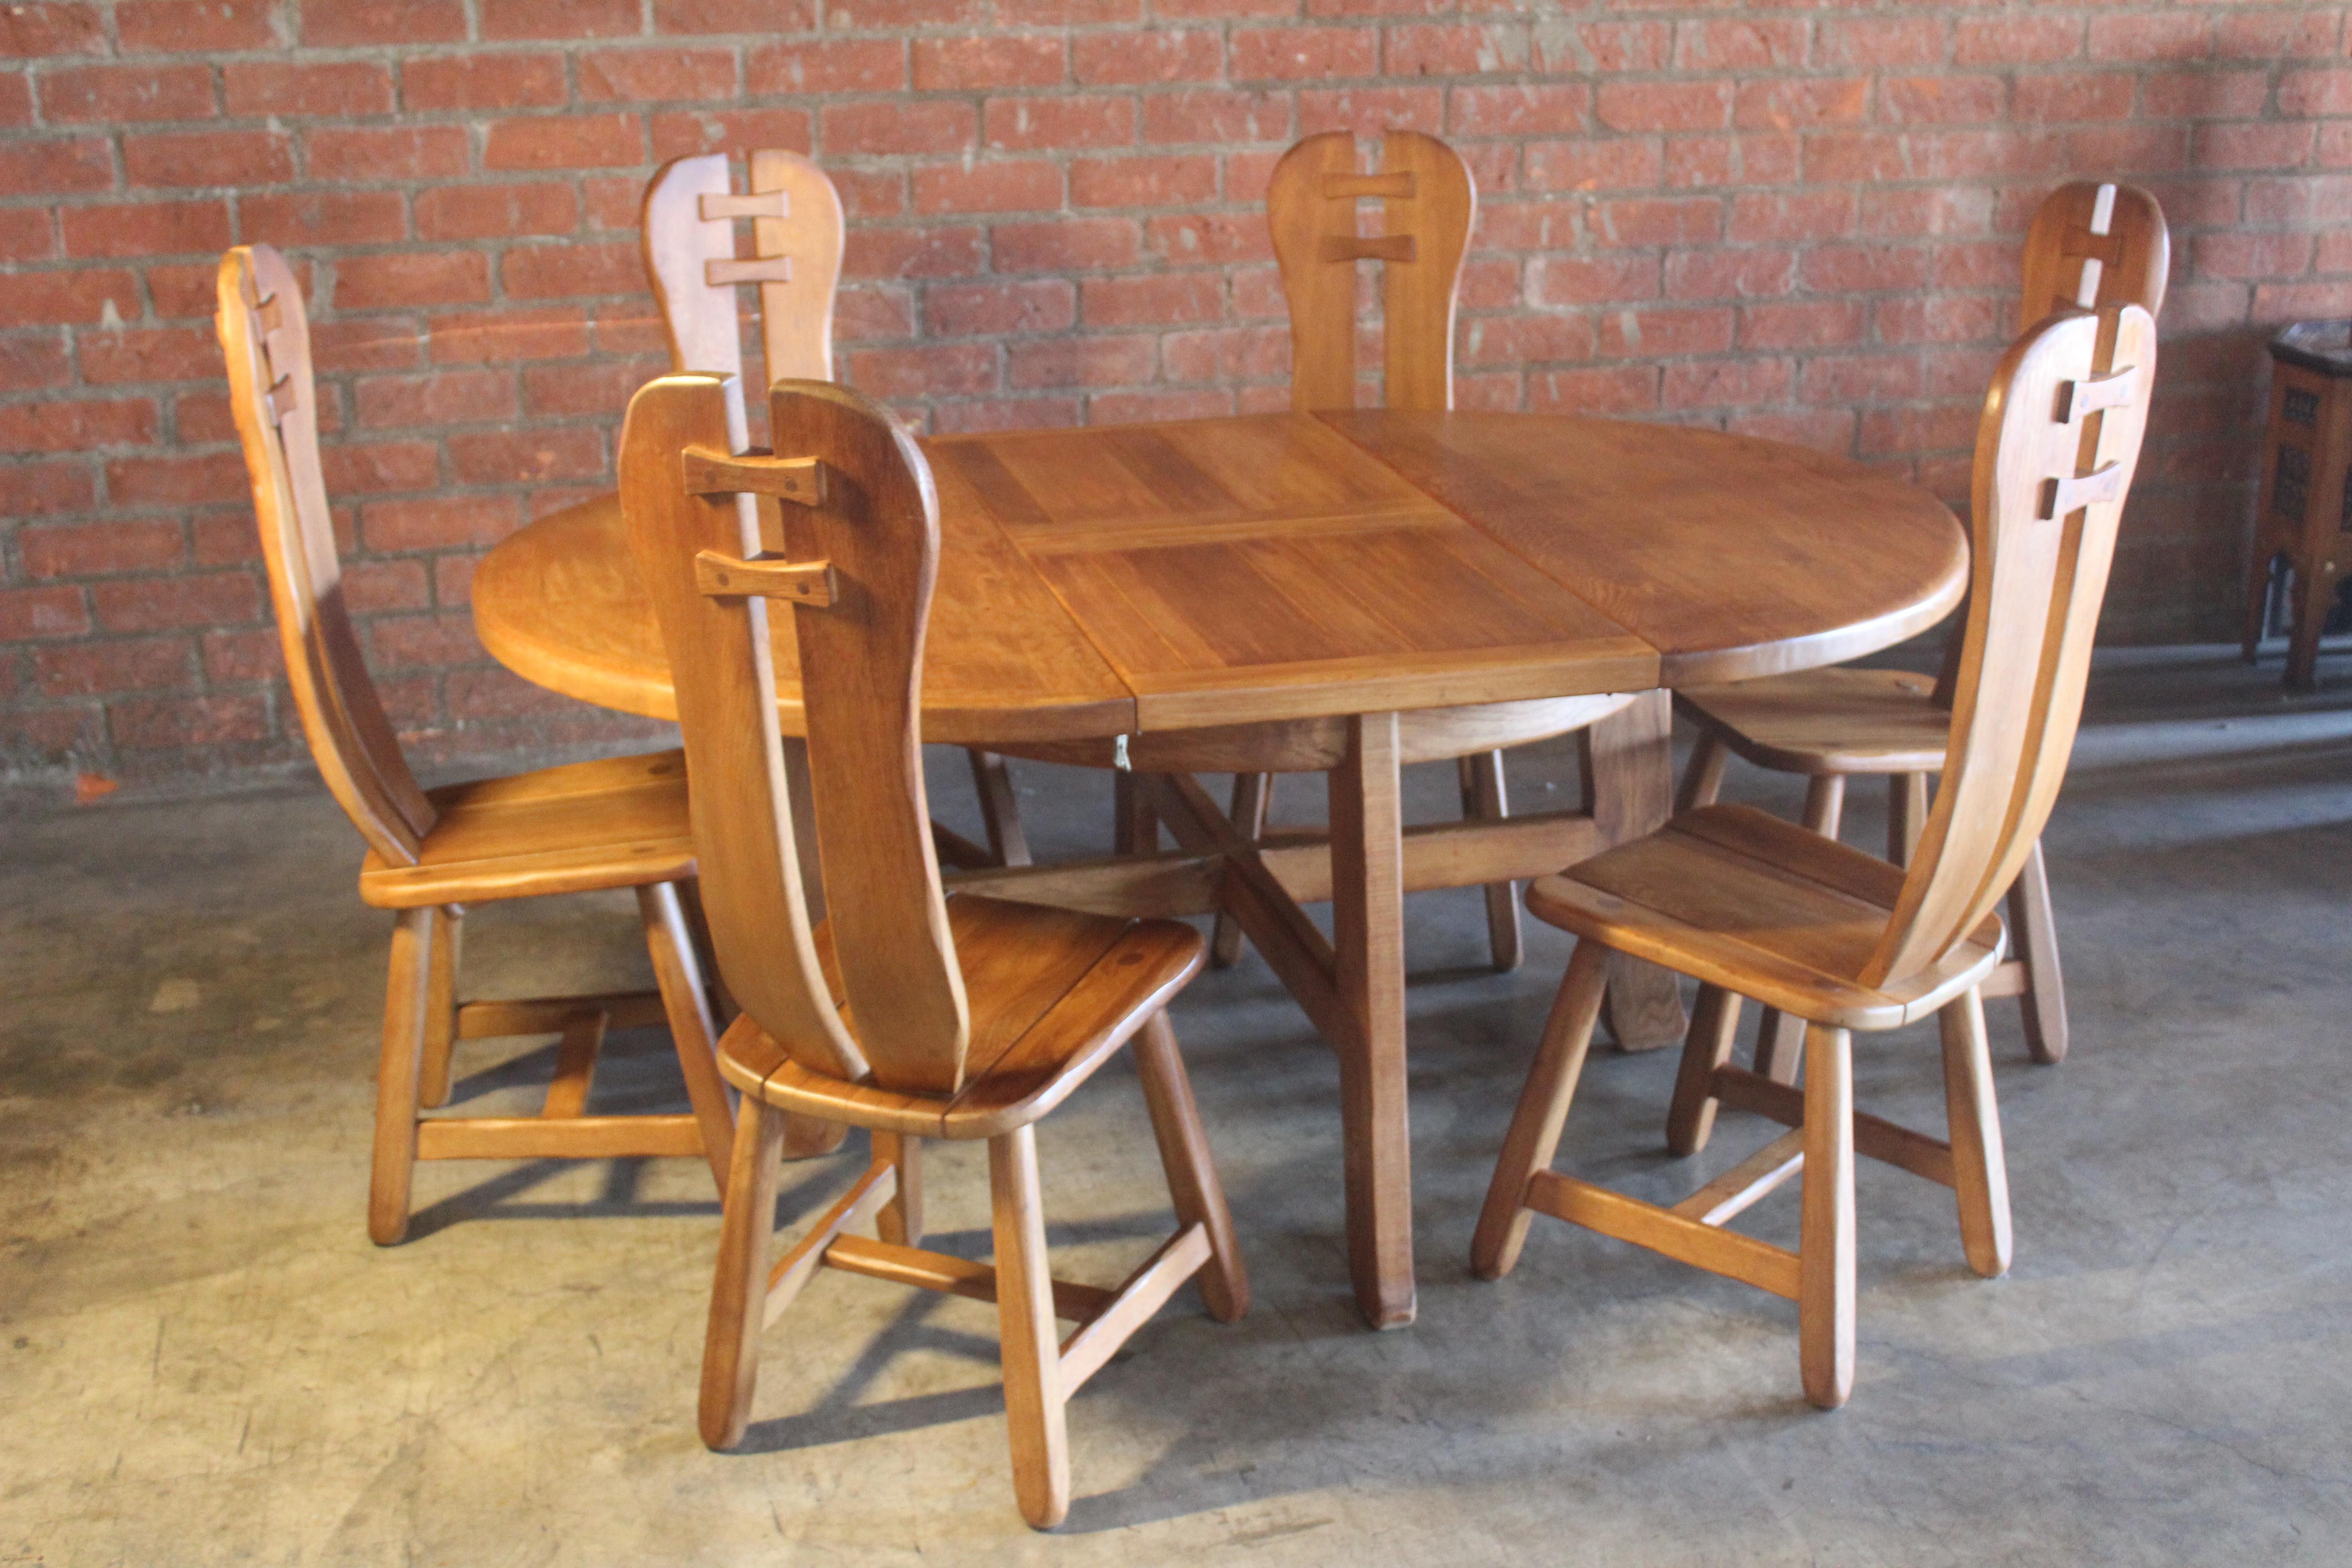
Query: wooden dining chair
[2093, 246]
[688, 234]
[1428, 202]
[1752, 906]
[908, 1013]
[615, 824]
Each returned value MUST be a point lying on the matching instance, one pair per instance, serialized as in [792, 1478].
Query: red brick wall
[1796, 220]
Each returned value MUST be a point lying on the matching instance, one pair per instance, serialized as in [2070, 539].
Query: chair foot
[1825, 1253]
[406, 1026]
[1534, 1137]
[739, 1288]
[1034, 1419]
[1198, 1196]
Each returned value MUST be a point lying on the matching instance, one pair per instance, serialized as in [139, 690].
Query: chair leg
[1484, 800]
[1781, 1040]
[1135, 828]
[1906, 814]
[1025, 1314]
[1534, 1137]
[1979, 1169]
[900, 1223]
[1715, 1024]
[686, 1000]
[1198, 1196]
[1000, 810]
[723, 1006]
[405, 1025]
[440, 1008]
[2035, 930]
[1824, 802]
[1702, 779]
[1253, 793]
[738, 1286]
[1825, 1245]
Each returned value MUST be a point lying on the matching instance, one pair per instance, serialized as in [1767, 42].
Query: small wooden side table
[2305, 516]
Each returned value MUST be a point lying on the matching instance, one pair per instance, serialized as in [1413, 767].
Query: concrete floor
[205, 1362]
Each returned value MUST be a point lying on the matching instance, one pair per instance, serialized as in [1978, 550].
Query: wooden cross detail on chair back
[861, 534]
[2044, 513]
[265, 334]
[688, 234]
[1428, 202]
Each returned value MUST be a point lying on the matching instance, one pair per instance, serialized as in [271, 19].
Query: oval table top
[1114, 580]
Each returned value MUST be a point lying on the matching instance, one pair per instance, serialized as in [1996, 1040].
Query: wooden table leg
[1367, 928]
[1629, 787]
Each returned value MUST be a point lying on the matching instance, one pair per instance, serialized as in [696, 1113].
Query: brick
[1881, 41]
[1730, 274]
[1472, 49]
[86, 548]
[1216, 119]
[1809, 215]
[1742, 161]
[833, 65]
[899, 128]
[527, 457]
[1627, 45]
[2251, 255]
[496, 212]
[1302, 54]
[1528, 339]
[1221, 239]
[16, 100]
[26, 613]
[2315, 92]
[1771, 44]
[160, 723]
[1165, 299]
[1138, 407]
[679, 135]
[77, 425]
[147, 229]
[2288, 32]
[1840, 268]
[2015, 39]
[1369, 111]
[928, 370]
[1608, 279]
[34, 30]
[57, 164]
[395, 152]
[1088, 363]
[1155, 57]
[188, 600]
[339, 346]
[583, 392]
[1145, 182]
[1028, 124]
[2269, 146]
[951, 252]
[1802, 324]
[1627, 333]
[652, 76]
[565, 141]
[559, 19]
[354, 468]
[1026, 184]
[441, 398]
[193, 27]
[1548, 110]
[509, 335]
[158, 480]
[992, 61]
[556, 271]
[149, 354]
[1601, 164]
[1723, 384]
[439, 523]
[965, 309]
[2146, 36]
[1658, 221]
[208, 158]
[411, 278]
[1624, 389]
[1941, 100]
[39, 299]
[404, 642]
[341, 23]
[1662, 106]
[1227, 353]
[501, 80]
[112, 94]
[1800, 105]
[2068, 95]
[245, 658]
[1070, 245]
[30, 361]
[761, 17]
[123, 664]
[2204, 95]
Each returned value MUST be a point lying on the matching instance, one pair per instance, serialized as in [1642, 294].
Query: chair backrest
[688, 234]
[2045, 516]
[860, 513]
[1427, 202]
[2095, 246]
[265, 334]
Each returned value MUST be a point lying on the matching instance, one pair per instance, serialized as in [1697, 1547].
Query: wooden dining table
[1342, 594]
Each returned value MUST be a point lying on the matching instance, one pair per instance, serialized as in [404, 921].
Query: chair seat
[1739, 899]
[1053, 994]
[1833, 720]
[618, 823]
